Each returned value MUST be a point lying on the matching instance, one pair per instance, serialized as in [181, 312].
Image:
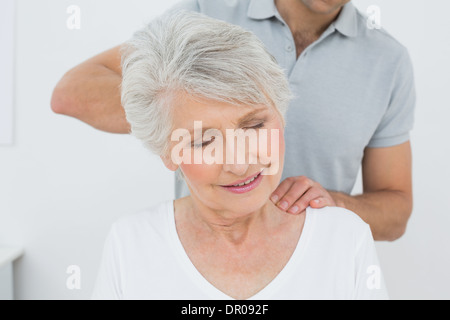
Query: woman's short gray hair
[203, 57]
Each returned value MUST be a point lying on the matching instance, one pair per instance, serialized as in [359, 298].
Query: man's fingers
[295, 194]
[316, 198]
[296, 191]
[282, 189]
[320, 202]
[303, 202]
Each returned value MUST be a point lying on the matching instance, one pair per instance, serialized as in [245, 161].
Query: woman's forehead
[214, 113]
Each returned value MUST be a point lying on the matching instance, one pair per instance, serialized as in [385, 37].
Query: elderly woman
[227, 239]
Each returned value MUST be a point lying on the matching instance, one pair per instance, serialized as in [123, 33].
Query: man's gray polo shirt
[353, 88]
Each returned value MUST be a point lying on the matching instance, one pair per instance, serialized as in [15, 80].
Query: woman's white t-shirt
[335, 258]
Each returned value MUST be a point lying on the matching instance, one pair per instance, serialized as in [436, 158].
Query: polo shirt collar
[262, 9]
[346, 23]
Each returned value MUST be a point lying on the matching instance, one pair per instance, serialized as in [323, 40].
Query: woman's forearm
[387, 212]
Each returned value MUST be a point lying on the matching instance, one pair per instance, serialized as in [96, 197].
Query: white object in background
[7, 257]
[7, 22]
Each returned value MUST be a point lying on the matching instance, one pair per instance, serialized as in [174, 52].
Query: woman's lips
[245, 188]
[242, 181]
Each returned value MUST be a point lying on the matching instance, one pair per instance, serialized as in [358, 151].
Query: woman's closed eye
[258, 126]
[206, 143]
[203, 144]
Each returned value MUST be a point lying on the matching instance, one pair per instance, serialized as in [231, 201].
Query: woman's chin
[250, 205]
[250, 200]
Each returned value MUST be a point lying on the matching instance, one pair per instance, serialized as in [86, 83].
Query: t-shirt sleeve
[398, 120]
[369, 282]
[108, 283]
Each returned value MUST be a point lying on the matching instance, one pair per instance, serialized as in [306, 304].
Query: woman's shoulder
[338, 214]
[339, 222]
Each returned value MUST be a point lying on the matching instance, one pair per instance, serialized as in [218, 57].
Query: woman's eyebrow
[241, 121]
[249, 116]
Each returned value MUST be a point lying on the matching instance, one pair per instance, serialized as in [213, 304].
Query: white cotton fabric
[335, 258]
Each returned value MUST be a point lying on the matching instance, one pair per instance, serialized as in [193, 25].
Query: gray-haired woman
[185, 73]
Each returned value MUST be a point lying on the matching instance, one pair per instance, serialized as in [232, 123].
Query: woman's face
[224, 160]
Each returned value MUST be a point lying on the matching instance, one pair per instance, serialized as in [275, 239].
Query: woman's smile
[246, 186]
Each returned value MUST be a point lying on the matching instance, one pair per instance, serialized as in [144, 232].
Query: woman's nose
[237, 157]
[236, 169]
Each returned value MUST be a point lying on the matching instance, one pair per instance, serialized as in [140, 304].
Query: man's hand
[385, 204]
[295, 194]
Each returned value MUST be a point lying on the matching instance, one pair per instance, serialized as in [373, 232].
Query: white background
[7, 19]
[62, 183]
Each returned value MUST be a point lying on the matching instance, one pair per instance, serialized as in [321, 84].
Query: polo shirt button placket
[289, 48]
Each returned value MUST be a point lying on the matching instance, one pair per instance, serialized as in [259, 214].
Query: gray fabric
[354, 89]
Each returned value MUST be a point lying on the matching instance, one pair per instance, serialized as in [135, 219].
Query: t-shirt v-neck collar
[214, 293]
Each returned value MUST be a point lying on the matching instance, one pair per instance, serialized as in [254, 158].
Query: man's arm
[90, 92]
[387, 201]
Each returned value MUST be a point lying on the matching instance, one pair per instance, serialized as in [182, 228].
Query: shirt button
[289, 48]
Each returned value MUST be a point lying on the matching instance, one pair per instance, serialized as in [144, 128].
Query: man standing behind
[354, 105]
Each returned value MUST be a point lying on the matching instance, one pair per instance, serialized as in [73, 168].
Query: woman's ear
[169, 163]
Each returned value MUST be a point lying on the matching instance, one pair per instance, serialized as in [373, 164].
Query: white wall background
[63, 183]
[7, 22]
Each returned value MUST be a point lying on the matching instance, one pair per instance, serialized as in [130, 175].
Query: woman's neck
[235, 229]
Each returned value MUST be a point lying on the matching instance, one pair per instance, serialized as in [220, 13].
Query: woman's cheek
[198, 175]
[272, 151]
[282, 146]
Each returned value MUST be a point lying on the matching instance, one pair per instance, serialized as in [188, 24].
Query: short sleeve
[108, 283]
[369, 281]
[398, 120]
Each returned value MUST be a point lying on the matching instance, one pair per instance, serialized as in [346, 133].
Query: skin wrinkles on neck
[235, 231]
